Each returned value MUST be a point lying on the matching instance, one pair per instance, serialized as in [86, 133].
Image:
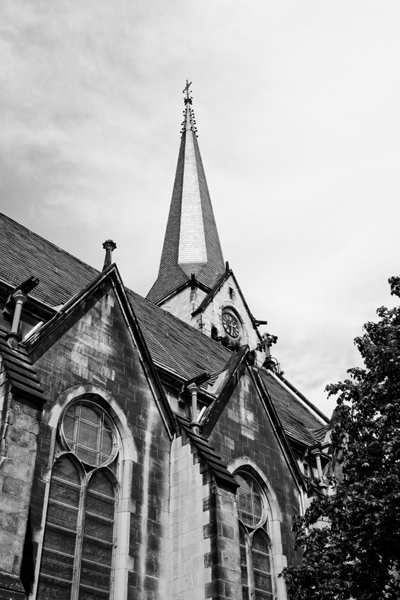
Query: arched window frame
[124, 506]
[272, 523]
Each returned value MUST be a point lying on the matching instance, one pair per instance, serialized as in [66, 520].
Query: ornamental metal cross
[186, 89]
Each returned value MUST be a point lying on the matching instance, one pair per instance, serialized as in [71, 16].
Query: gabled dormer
[223, 314]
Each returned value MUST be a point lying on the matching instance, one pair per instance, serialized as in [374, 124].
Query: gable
[95, 341]
[227, 297]
[253, 421]
[249, 436]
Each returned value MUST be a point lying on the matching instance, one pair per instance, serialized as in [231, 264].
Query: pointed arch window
[255, 544]
[77, 555]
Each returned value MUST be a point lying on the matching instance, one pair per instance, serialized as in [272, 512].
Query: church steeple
[191, 244]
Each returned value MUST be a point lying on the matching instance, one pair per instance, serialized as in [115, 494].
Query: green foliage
[355, 553]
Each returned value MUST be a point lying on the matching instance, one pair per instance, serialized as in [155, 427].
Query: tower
[194, 283]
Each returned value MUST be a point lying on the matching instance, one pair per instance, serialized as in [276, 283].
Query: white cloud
[297, 110]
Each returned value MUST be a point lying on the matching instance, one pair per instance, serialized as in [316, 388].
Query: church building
[150, 448]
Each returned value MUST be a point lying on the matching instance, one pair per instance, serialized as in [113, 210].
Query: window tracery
[77, 555]
[255, 544]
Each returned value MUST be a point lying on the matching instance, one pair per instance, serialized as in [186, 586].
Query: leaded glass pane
[261, 565]
[69, 425]
[96, 552]
[100, 505]
[101, 484]
[88, 414]
[98, 534]
[87, 456]
[249, 502]
[59, 544]
[50, 589]
[95, 575]
[52, 540]
[85, 593]
[58, 565]
[259, 595]
[65, 492]
[261, 561]
[87, 435]
[66, 470]
[62, 516]
[99, 528]
[106, 443]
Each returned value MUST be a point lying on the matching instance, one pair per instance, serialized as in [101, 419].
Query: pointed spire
[191, 243]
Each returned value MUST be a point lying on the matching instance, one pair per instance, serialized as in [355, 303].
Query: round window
[88, 432]
[250, 503]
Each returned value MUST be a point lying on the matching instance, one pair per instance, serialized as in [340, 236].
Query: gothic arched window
[78, 542]
[255, 545]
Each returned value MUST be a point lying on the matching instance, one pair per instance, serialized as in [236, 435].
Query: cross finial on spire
[186, 90]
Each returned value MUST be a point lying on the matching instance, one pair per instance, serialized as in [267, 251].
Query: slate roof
[174, 346]
[298, 422]
[24, 253]
[20, 372]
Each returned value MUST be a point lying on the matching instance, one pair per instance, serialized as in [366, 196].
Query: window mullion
[79, 541]
[250, 570]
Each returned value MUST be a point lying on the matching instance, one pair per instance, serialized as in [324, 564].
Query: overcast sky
[297, 106]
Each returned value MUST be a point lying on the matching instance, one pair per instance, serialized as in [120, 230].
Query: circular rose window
[88, 432]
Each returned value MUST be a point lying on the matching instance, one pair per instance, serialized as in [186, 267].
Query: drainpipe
[322, 484]
[193, 386]
[194, 425]
[14, 337]
[15, 302]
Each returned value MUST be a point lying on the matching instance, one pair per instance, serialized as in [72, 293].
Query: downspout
[19, 296]
[194, 425]
[322, 484]
[13, 337]
[193, 385]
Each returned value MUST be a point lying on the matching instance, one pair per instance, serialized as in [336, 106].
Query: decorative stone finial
[109, 246]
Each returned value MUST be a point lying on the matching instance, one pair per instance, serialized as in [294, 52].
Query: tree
[356, 555]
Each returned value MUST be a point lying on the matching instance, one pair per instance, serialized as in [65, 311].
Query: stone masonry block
[25, 421]
[12, 542]
[12, 486]
[23, 438]
[6, 562]
[17, 470]
[9, 523]
[13, 504]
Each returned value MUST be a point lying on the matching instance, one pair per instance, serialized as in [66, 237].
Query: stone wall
[190, 543]
[244, 436]
[93, 351]
[19, 427]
